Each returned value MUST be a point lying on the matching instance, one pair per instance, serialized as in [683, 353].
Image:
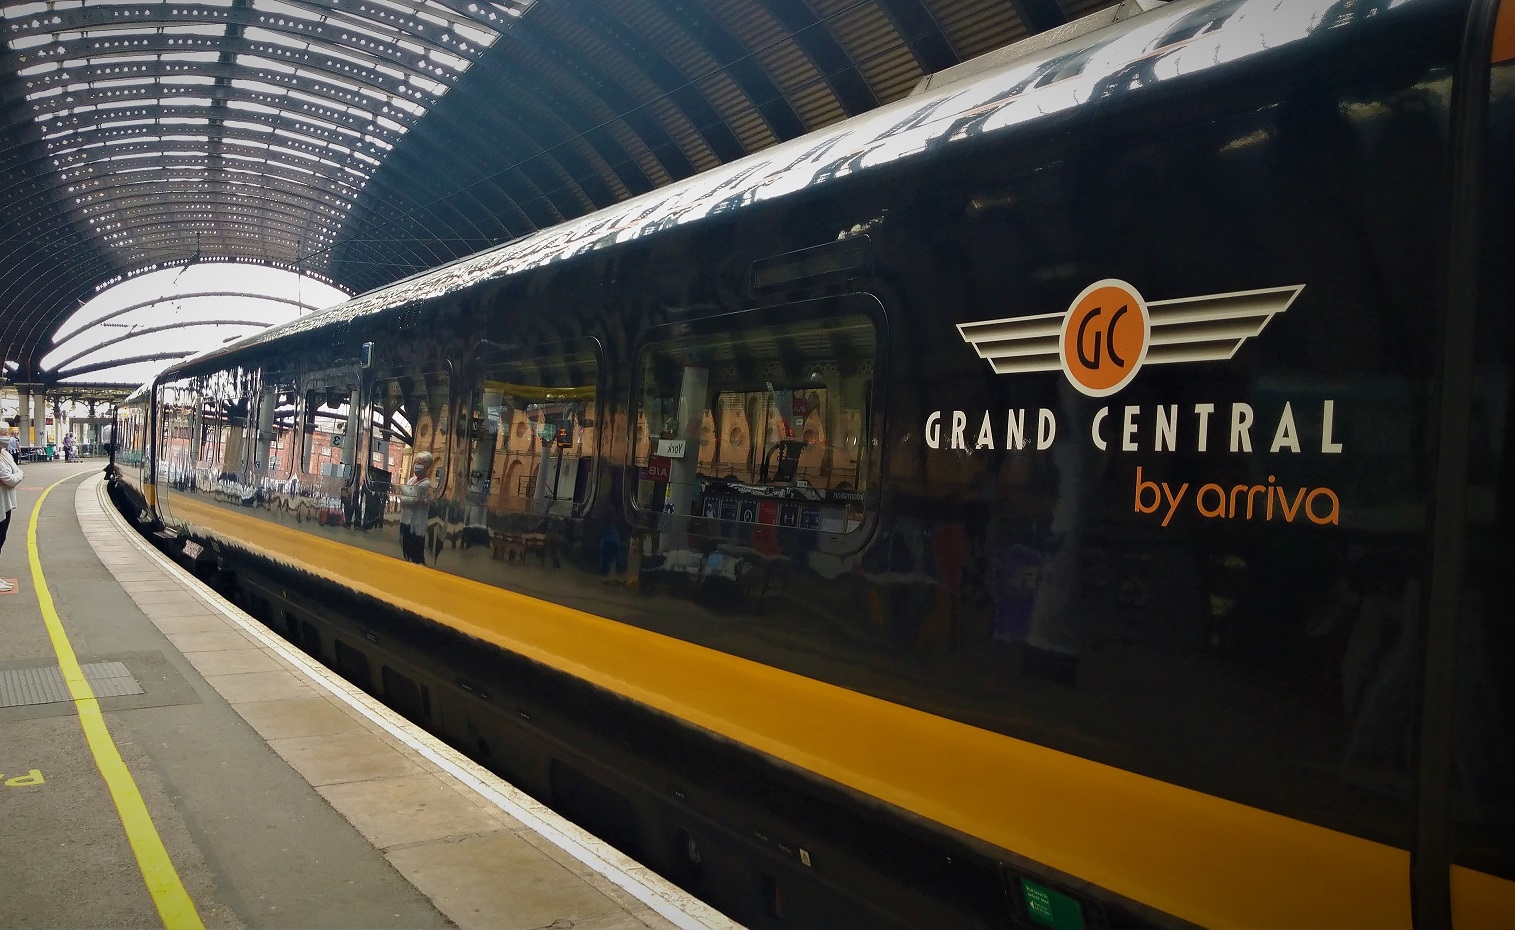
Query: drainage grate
[23, 686]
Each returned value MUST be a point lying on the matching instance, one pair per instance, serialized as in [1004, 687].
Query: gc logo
[1105, 336]
[1110, 332]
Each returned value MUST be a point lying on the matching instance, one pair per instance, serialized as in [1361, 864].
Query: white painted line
[668, 900]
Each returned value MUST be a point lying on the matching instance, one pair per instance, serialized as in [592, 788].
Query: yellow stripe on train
[1201, 858]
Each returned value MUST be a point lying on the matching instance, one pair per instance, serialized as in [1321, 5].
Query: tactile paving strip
[23, 686]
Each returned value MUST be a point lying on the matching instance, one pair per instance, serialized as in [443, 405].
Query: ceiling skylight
[178, 94]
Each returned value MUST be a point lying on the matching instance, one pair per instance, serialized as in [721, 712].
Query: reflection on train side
[760, 463]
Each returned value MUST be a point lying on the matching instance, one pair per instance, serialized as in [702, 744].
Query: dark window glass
[535, 435]
[327, 453]
[758, 427]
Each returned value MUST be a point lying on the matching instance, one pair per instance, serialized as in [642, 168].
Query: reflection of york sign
[671, 448]
[1109, 332]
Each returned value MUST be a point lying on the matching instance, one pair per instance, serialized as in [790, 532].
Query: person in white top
[415, 500]
[10, 477]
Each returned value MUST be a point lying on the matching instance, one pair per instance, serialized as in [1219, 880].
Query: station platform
[166, 760]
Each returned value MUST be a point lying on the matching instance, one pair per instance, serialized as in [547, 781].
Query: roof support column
[23, 415]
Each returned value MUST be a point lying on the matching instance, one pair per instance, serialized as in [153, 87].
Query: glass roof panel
[330, 87]
[177, 310]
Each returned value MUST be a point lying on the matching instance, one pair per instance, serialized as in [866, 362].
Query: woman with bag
[10, 477]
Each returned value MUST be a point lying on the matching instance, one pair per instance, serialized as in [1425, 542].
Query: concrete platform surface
[283, 796]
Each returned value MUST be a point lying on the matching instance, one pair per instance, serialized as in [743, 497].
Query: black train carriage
[1072, 496]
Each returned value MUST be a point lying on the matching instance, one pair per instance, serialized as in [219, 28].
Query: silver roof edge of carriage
[1033, 44]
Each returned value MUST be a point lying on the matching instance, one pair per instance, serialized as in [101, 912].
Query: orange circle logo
[1105, 337]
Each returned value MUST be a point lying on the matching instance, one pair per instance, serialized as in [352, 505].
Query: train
[1071, 496]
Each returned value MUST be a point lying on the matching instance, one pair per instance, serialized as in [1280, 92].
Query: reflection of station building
[829, 458]
[538, 453]
[541, 451]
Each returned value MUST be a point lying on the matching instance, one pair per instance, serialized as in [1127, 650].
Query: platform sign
[1052, 908]
[658, 469]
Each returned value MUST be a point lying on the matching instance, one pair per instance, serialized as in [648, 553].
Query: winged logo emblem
[1109, 332]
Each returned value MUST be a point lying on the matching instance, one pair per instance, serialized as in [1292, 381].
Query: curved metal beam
[744, 69]
[61, 337]
[117, 363]
[151, 330]
[831, 61]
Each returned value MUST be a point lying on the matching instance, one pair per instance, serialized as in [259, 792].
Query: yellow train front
[1073, 496]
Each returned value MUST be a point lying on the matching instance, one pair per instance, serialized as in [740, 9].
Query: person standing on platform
[13, 446]
[10, 477]
[68, 447]
[415, 507]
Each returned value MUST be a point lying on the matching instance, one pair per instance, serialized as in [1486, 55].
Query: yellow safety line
[173, 902]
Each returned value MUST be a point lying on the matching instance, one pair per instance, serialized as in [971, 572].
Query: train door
[274, 452]
[174, 447]
[1475, 742]
[327, 467]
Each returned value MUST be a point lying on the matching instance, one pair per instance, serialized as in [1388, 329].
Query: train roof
[1131, 48]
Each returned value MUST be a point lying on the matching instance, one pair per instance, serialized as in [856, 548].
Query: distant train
[1077, 495]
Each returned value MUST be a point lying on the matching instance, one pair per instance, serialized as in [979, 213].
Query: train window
[534, 439]
[275, 453]
[179, 407]
[129, 436]
[222, 429]
[209, 433]
[764, 426]
[327, 412]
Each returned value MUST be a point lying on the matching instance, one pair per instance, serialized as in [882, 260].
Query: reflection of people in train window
[415, 500]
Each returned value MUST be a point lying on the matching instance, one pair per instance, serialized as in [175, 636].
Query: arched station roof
[359, 141]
